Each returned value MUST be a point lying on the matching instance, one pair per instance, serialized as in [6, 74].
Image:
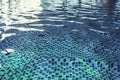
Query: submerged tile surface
[59, 40]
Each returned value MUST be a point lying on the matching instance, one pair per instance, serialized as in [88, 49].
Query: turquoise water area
[59, 40]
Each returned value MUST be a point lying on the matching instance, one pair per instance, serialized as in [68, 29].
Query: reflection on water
[19, 11]
[7, 51]
[59, 39]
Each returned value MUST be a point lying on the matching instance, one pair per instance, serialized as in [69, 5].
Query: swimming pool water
[59, 40]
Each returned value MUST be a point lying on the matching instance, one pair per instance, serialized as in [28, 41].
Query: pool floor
[59, 40]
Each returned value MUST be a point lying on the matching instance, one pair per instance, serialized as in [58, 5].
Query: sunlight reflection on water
[17, 11]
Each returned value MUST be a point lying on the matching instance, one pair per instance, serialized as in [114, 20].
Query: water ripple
[77, 11]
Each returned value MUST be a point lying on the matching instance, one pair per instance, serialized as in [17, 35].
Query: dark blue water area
[60, 40]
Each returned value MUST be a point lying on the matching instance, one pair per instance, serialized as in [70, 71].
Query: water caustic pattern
[59, 40]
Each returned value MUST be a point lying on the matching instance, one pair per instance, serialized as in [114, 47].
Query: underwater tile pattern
[62, 40]
[54, 58]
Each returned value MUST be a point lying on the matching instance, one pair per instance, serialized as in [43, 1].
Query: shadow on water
[110, 5]
[110, 12]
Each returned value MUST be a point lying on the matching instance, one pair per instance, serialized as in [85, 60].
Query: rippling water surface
[59, 39]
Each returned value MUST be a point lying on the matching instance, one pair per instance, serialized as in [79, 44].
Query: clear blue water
[60, 40]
